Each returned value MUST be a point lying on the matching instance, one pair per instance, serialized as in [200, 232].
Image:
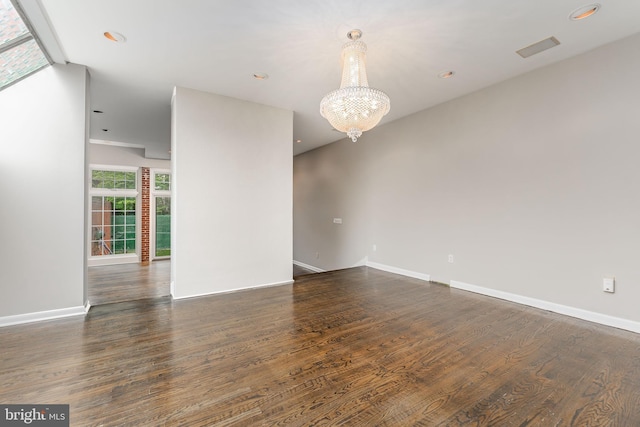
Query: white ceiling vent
[538, 47]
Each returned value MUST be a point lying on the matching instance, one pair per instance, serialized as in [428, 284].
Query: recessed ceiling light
[298, 141]
[98, 111]
[584, 12]
[446, 74]
[260, 76]
[115, 37]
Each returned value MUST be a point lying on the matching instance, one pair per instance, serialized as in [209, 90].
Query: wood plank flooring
[356, 347]
[127, 282]
[300, 271]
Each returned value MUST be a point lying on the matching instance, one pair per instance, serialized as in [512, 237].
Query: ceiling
[217, 46]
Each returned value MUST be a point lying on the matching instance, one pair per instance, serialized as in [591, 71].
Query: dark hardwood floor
[355, 347]
[301, 271]
[127, 282]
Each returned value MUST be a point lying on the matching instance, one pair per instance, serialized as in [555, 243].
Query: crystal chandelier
[355, 107]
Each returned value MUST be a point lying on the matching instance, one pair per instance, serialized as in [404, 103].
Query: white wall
[533, 185]
[231, 202]
[102, 154]
[42, 175]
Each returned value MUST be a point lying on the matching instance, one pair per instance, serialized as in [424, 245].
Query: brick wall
[146, 211]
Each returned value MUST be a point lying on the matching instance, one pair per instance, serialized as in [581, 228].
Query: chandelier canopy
[355, 107]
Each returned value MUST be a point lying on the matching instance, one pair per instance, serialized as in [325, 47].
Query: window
[20, 53]
[161, 225]
[113, 212]
[162, 181]
[113, 179]
[113, 225]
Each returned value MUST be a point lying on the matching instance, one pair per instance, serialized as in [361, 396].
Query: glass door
[162, 227]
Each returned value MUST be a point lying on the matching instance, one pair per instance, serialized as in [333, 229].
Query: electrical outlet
[451, 258]
[609, 284]
[317, 255]
[375, 248]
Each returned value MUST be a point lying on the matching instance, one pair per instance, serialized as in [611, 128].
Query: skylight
[20, 54]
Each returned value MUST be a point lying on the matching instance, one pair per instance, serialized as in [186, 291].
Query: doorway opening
[130, 234]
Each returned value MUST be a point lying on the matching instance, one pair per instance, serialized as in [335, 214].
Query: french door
[162, 227]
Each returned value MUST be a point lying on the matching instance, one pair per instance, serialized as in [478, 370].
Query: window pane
[130, 178]
[119, 230]
[113, 228]
[25, 57]
[131, 205]
[118, 246]
[100, 235]
[163, 226]
[163, 205]
[163, 181]
[96, 233]
[118, 203]
[109, 177]
[11, 25]
[102, 247]
[119, 180]
[113, 179]
[96, 179]
[96, 203]
[108, 203]
[20, 61]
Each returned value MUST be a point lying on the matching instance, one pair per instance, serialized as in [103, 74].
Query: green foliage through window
[163, 226]
[116, 180]
[162, 181]
[113, 225]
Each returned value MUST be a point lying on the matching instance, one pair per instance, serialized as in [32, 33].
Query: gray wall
[231, 195]
[532, 185]
[42, 175]
[102, 154]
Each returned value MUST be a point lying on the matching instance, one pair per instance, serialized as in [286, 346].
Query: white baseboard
[579, 313]
[400, 271]
[362, 262]
[228, 291]
[308, 267]
[42, 315]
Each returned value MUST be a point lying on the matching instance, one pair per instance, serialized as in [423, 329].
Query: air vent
[538, 47]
